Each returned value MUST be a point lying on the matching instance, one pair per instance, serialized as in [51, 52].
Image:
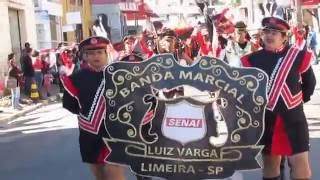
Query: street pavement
[8, 113]
[43, 144]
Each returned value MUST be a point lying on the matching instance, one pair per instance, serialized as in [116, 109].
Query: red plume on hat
[222, 23]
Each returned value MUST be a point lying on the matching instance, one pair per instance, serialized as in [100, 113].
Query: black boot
[282, 169]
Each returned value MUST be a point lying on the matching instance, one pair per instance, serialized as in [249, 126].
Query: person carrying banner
[84, 96]
[291, 83]
[168, 42]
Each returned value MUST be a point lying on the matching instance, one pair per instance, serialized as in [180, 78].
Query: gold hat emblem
[93, 41]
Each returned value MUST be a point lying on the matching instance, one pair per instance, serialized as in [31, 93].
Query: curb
[56, 99]
[21, 113]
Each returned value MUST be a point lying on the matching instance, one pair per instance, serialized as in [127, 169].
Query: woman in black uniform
[83, 96]
[291, 83]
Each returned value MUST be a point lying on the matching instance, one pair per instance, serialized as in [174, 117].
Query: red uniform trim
[290, 100]
[281, 77]
[204, 49]
[104, 153]
[94, 125]
[70, 88]
[306, 62]
[101, 45]
[280, 141]
[245, 61]
[148, 117]
[68, 85]
[145, 49]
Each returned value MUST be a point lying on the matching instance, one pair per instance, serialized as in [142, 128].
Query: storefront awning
[143, 12]
[309, 2]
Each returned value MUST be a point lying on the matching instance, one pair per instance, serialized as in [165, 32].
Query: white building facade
[113, 11]
[48, 23]
[17, 21]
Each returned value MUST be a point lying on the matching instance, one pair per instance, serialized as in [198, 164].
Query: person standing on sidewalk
[38, 71]
[16, 73]
[47, 75]
[24, 53]
[28, 72]
[313, 44]
[84, 96]
[291, 83]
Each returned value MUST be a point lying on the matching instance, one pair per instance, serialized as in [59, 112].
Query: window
[80, 2]
[73, 2]
[36, 3]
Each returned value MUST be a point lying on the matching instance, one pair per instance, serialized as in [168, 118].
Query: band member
[300, 37]
[239, 45]
[131, 47]
[291, 83]
[84, 96]
[203, 39]
[168, 42]
[256, 41]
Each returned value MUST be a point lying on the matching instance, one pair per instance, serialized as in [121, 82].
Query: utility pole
[298, 11]
[252, 19]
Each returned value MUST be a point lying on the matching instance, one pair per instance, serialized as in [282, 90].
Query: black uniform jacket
[291, 78]
[84, 96]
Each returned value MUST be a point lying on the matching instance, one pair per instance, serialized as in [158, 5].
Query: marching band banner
[184, 122]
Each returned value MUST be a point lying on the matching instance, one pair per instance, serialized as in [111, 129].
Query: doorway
[15, 32]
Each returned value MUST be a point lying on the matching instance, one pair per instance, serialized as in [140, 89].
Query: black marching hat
[128, 37]
[241, 26]
[94, 42]
[275, 23]
[132, 58]
[167, 32]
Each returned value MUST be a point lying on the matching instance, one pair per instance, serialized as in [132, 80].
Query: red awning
[144, 12]
[309, 2]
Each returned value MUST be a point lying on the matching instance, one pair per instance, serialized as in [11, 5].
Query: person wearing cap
[124, 48]
[291, 84]
[134, 46]
[239, 46]
[201, 36]
[83, 96]
[168, 42]
[128, 44]
[256, 40]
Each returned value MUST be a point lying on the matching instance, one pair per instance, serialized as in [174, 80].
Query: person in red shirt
[38, 67]
[67, 66]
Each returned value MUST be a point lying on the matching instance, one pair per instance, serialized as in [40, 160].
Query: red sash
[281, 76]
[92, 122]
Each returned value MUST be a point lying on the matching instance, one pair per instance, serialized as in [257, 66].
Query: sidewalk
[9, 114]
